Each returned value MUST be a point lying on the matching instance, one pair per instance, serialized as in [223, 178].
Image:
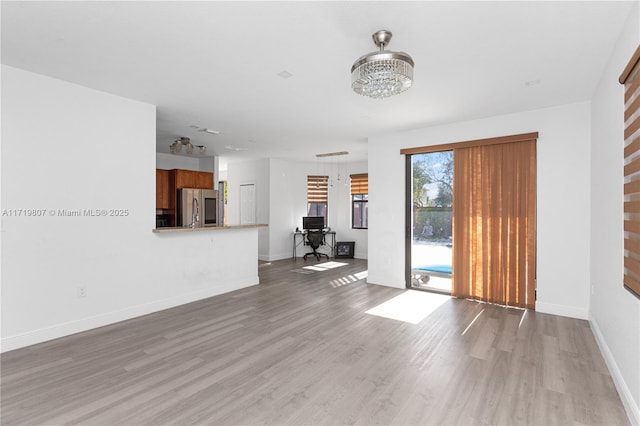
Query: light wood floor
[300, 349]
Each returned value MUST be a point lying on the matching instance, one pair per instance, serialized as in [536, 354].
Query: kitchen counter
[206, 228]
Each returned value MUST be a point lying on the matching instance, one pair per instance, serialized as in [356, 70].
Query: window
[318, 196]
[631, 83]
[360, 201]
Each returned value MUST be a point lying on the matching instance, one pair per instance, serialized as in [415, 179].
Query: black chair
[315, 239]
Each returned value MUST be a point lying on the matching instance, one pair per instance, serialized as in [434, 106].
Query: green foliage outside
[432, 195]
[433, 168]
[420, 180]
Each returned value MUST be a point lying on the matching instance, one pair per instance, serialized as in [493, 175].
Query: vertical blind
[494, 223]
[631, 83]
[494, 218]
[317, 189]
[360, 184]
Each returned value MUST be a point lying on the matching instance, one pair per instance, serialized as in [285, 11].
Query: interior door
[248, 204]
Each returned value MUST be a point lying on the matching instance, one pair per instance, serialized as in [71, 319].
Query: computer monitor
[312, 222]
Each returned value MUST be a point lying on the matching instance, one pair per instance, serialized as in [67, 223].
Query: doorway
[493, 219]
[430, 243]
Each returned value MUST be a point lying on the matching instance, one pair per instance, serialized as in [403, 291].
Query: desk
[300, 234]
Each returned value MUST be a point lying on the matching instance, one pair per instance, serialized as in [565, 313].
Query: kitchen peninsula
[206, 261]
[200, 257]
[205, 228]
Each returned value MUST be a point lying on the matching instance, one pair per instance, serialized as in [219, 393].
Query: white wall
[208, 164]
[288, 205]
[340, 199]
[197, 163]
[170, 161]
[58, 153]
[254, 172]
[563, 199]
[615, 312]
[287, 202]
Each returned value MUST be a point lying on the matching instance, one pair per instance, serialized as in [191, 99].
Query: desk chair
[315, 238]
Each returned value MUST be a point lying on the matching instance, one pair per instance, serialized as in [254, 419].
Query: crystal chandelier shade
[382, 74]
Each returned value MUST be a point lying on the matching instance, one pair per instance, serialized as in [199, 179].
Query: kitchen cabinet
[163, 189]
[193, 179]
[204, 180]
[168, 181]
[184, 178]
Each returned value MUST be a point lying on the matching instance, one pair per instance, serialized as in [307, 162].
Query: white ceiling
[216, 64]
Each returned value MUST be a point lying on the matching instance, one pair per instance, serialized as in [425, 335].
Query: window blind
[360, 184]
[317, 189]
[631, 83]
[494, 223]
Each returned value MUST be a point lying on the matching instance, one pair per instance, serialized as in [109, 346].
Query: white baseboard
[277, 256]
[562, 310]
[72, 327]
[633, 411]
[387, 284]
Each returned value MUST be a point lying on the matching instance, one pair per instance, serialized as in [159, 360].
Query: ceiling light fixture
[176, 146]
[384, 73]
[332, 154]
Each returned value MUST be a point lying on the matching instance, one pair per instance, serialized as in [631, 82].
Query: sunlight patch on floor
[362, 275]
[331, 265]
[325, 266]
[471, 323]
[348, 279]
[314, 268]
[522, 319]
[411, 306]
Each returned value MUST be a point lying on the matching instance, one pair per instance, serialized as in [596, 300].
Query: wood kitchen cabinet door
[185, 178]
[204, 180]
[163, 189]
[193, 179]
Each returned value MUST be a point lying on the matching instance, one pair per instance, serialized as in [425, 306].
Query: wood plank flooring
[300, 349]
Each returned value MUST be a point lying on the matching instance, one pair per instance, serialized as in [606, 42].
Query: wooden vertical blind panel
[317, 189]
[494, 223]
[360, 184]
[631, 83]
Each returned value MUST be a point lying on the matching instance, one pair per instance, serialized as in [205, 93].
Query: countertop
[206, 228]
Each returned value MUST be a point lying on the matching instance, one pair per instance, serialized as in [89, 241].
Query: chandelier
[384, 73]
[176, 146]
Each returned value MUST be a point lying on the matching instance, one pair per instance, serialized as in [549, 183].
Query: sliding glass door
[477, 240]
[430, 248]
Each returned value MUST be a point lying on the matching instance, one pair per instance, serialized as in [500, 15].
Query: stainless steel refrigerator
[197, 207]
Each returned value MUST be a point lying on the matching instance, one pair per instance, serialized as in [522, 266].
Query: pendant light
[384, 73]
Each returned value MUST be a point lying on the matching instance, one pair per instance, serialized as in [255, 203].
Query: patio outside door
[430, 244]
